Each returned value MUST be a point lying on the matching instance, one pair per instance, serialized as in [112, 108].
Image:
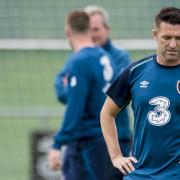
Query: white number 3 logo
[107, 71]
[161, 115]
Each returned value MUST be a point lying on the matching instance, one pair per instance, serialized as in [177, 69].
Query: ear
[67, 31]
[154, 34]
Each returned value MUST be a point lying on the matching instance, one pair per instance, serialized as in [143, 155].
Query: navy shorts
[88, 159]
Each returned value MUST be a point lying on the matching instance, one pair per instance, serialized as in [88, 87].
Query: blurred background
[32, 50]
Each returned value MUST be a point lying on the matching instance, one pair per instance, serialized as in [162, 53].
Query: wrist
[116, 154]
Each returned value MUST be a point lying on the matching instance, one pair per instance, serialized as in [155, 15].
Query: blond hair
[93, 9]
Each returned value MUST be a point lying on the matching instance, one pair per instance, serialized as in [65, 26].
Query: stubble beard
[170, 58]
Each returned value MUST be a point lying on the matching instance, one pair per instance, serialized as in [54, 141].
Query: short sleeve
[119, 91]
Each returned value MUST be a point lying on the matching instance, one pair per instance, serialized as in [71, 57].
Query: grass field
[27, 77]
[15, 146]
[27, 81]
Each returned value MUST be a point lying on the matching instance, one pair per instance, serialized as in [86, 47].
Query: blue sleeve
[120, 91]
[61, 88]
[78, 88]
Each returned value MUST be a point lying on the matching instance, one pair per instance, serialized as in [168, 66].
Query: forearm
[110, 132]
[111, 136]
[108, 113]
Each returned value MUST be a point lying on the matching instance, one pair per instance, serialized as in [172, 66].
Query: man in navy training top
[100, 30]
[153, 85]
[90, 73]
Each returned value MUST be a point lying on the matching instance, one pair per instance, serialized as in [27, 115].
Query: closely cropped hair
[93, 9]
[169, 15]
[78, 21]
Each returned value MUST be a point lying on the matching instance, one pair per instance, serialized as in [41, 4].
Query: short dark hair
[169, 15]
[78, 21]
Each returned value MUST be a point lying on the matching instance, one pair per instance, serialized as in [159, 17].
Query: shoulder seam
[141, 63]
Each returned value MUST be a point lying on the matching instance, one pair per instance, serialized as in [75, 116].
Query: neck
[161, 60]
[80, 42]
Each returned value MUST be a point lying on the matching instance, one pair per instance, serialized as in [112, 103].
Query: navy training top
[90, 73]
[155, 93]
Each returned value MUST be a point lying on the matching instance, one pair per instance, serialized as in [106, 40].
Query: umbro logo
[144, 84]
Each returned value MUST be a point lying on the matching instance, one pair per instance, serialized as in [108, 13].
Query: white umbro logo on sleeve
[144, 84]
[73, 81]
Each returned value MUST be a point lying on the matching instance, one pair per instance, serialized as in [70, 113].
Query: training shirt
[89, 76]
[121, 59]
[60, 87]
[155, 93]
